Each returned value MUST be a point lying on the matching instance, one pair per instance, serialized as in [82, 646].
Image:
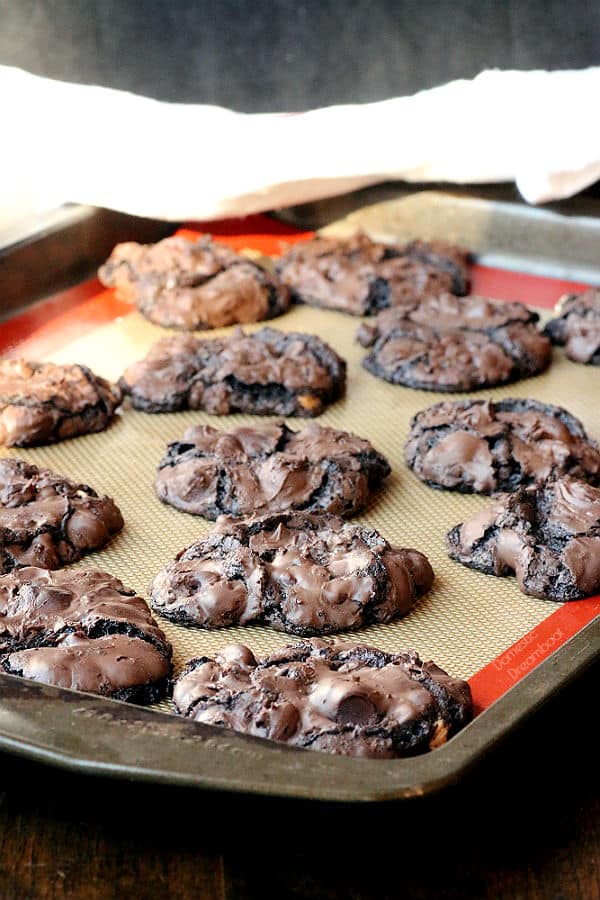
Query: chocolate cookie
[304, 574]
[547, 535]
[41, 403]
[449, 343]
[334, 697]
[359, 276]
[183, 284]
[269, 469]
[49, 521]
[81, 629]
[578, 327]
[480, 446]
[266, 373]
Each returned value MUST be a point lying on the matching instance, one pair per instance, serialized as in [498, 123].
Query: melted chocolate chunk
[482, 447]
[547, 535]
[268, 372]
[451, 343]
[360, 276]
[82, 629]
[269, 469]
[304, 574]
[578, 327]
[41, 403]
[49, 521]
[178, 283]
[334, 697]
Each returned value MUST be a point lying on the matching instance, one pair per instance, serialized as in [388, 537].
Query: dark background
[524, 826]
[288, 54]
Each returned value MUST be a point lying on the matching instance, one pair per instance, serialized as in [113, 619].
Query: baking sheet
[461, 622]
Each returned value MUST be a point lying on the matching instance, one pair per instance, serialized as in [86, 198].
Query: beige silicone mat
[463, 623]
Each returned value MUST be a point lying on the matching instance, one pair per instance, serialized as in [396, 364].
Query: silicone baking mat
[476, 626]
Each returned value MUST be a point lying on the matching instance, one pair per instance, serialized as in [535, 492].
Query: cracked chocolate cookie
[547, 535]
[41, 403]
[359, 276]
[81, 629]
[483, 447]
[304, 574]
[577, 327]
[335, 697]
[186, 284]
[449, 343]
[256, 470]
[50, 521]
[267, 373]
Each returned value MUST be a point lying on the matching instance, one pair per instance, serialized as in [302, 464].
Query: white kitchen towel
[74, 143]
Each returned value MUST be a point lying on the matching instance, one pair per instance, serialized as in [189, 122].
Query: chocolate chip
[301, 573]
[49, 521]
[41, 403]
[265, 373]
[320, 695]
[485, 446]
[192, 285]
[447, 343]
[82, 629]
[269, 469]
[359, 276]
[547, 534]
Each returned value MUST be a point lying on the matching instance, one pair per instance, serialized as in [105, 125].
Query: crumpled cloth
[64, 142]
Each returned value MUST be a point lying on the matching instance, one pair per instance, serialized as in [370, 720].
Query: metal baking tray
[513, 669]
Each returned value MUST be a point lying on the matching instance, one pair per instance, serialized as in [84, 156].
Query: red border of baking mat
[64, 316]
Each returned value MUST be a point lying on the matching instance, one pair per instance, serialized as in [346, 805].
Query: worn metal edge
[63, 247]
[88, 735]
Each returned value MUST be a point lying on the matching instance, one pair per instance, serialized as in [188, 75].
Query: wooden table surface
[526, 824]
